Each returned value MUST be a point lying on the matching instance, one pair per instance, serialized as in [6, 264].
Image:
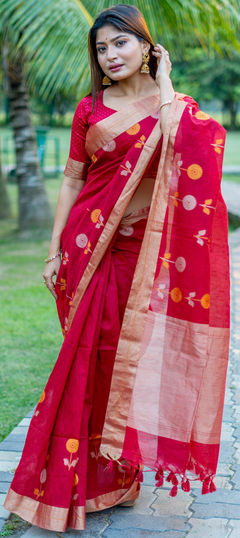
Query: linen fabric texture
[143, 301]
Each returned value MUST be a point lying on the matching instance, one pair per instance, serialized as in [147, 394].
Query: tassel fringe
[176, 479]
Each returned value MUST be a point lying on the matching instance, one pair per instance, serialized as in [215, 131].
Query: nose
[111, 53]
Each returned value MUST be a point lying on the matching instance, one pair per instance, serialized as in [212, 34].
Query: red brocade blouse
[79, 161]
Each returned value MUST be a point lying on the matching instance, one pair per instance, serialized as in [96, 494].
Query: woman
[140, 378]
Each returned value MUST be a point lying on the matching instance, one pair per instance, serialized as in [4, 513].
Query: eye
[120, 42]
[101, 49]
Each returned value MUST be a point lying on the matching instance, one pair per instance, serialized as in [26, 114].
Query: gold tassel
[145, 66]
[106, 81]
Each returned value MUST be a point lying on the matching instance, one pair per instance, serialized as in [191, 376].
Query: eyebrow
[116, 37]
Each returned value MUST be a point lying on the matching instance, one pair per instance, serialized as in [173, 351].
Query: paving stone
[10, 456]
[4, 486]
[12, 446]
[149, 478]
[36, 532]
[6, 477]
[212, 528]
[3, 512]
[165, 505]
[95, 523]
[235, 524]
[225, 469]
[236, 476]
[228, 396]
[145, 499]
[237, 452]
[14, 438]
[219, 481]
[138, 521]
[227, 432]
[212, 510]
[226, 452]
[139, 533]
[227, 413]
[20, 430]
[24, 422]
[8, 466]
[2, 521]
[219, 496]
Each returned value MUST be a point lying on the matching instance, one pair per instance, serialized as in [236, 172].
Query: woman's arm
[163, 81]
[69, 191]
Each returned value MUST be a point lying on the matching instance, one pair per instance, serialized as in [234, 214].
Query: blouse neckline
[115, 110]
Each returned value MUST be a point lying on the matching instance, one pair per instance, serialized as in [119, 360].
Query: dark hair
[127, 19]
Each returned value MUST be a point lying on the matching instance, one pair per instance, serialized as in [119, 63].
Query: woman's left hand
[165, 64]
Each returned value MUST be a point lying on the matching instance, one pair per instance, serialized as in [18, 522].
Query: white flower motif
[180, 264]
[43, 476]
[110, 146]
[81, 240]
[100, 221]
[191, 295]
[199, 240]
[160, 292]
[127, 169]
[189, 202]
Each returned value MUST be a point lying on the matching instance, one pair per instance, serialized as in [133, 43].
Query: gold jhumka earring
[145, 66]
[106, 81]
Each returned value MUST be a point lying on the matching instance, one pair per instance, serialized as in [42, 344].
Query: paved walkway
[216, 515]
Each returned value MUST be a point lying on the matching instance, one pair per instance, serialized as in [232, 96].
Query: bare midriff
[142, 196]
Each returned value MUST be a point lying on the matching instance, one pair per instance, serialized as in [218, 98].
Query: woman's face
[119, 53]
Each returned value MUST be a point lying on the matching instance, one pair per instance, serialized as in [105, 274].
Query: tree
[5, 207]
[52, 35]
[34, 209]
[50, 39]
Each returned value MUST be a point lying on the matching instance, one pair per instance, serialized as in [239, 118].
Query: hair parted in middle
[128, 19]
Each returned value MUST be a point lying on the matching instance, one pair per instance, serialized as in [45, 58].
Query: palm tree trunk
[34, 208]
[5, 208]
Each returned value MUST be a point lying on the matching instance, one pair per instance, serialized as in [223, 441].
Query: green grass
[30, 333]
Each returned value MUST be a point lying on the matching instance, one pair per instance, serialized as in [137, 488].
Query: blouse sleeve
[78, 159]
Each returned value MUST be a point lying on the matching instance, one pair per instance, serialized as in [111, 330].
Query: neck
[135, 86]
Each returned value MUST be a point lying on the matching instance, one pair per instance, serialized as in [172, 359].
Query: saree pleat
[61, 457]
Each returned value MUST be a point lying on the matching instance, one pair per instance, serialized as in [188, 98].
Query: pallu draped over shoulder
[143, 300]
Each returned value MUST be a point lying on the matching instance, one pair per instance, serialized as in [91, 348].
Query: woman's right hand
[50, 270]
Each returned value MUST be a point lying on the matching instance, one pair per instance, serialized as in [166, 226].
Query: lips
[114, 67]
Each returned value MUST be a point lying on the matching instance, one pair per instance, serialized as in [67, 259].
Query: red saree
[140, 377]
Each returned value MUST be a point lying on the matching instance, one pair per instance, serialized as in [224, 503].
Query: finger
[50, 285]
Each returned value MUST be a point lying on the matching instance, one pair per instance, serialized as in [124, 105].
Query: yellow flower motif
[95, 214]
[72, 445]
[97, 217]
[218, 145]
[166, 256]
[36, 491]
[94, 158]
[194, 171]
[176, 295]
[63, 284]
[200, 115]
[42, 397]
[207, 206]
[75, 480]
[140, 142]
[205, 300]
[134, 129]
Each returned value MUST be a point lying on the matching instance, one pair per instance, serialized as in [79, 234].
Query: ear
[145, 46]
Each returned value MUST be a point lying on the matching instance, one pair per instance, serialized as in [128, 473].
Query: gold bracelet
[166, 103]
[47, 260]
